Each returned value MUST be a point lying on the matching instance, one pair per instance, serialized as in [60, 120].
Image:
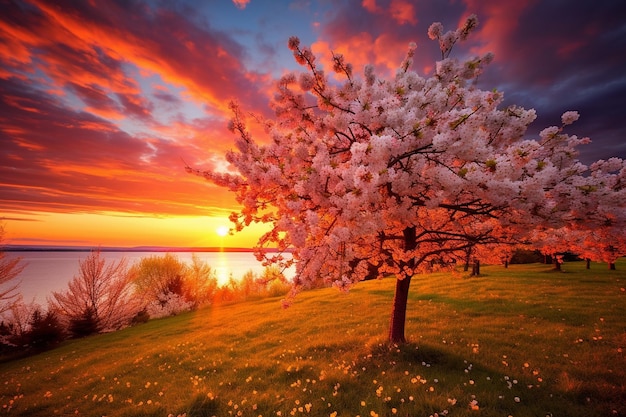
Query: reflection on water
[46, 272]
[221, 268]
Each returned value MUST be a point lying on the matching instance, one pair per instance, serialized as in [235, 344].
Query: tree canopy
[402, 175]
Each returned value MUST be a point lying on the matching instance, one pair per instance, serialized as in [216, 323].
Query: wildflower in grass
[473, 405]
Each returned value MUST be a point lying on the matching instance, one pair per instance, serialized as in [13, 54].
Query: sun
[222, 230]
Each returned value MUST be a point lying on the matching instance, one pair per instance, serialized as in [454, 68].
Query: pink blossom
[569, 117]
[307, 82]
[435, 30]
[294, 43]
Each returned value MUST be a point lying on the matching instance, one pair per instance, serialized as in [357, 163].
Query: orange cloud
[241, 4]
[192, 57]
[370, 6]
[497, 22]
[403, 12]
[384, 52]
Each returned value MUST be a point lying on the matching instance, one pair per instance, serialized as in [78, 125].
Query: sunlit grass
[522, 341]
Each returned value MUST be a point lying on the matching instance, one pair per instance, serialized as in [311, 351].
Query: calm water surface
[51, 271]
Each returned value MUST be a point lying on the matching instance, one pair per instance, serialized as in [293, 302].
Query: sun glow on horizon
[123, 230]
[222, 230]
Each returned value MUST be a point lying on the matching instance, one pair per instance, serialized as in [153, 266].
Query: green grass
[522, 341]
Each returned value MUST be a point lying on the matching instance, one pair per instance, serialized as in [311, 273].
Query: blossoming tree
[99, 298]
[402, 175]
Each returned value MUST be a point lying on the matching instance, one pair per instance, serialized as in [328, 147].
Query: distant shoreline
[44, 248]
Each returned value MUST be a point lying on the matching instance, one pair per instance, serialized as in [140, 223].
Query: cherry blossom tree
[603, 244]
[402, 175]
[554, 243]
[601, 248]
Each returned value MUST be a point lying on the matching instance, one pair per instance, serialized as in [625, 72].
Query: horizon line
[141, 248]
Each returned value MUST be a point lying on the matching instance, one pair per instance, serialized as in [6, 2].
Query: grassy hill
[522, 341]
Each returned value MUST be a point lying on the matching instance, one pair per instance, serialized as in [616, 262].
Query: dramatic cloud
[59, 159]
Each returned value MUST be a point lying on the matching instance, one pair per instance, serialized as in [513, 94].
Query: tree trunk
[398, 313]
[476, 268]
[612, 266]
[401, 296]
[588, 263]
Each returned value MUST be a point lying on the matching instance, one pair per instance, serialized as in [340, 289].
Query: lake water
[51, 271]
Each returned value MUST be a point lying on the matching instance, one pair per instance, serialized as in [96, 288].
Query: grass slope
[522, 341]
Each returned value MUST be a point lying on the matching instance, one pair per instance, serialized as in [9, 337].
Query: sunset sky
[103, 102]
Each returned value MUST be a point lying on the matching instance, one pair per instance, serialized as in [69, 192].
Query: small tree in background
[166, 285]
[406, 174]
[9, 270]
[158, 277]
[100, 298]
[16, 323]
[200, 282]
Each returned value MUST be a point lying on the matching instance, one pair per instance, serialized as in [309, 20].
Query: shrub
[156, 276]
[27, 328]
[46, 330]
[141, 317]
[85, 324]
[169, 304]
